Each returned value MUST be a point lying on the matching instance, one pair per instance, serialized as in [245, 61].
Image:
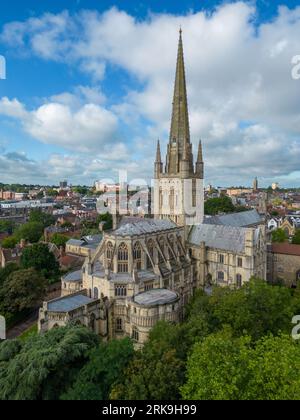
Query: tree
[156, 372]
[296, 238]
[37, 216]
[104, 367]
[6, 226]
[107, 218]
[226, 368]
[31, 232]
[45, 365]
[255, 310]
[59, 240]
[7, 270]
[222, 204]
[9, 243]
[278, 236]
[21, 290]
[39, 257]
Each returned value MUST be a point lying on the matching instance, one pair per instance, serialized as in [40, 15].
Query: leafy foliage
[103, 369]
[9, 243]
[59, 240]
[22, 289]
[279, 236]
[217, 205]
[44, 365]
[38, 216]
[156, 372]
[31, 232]
[228, 368]
[39, 257]
[296, 237]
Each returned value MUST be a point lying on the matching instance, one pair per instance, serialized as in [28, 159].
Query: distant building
[255, 184]
[275, 186]
[238, 191]
[63, 185]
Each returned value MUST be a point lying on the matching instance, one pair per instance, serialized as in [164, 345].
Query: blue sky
[89, 88]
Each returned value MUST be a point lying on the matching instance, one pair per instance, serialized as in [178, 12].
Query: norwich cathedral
[147, 269]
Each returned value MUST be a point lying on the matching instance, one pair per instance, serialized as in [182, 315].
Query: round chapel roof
[156, 297]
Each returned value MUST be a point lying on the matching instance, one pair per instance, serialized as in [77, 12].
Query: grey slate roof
[229, 238]
[140, 227]
[156, 297]
[75, 242]
[68, 303]
[74, 276]
[242, 219]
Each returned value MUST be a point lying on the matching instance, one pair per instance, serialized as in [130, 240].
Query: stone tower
[255, 184]
[178, 190]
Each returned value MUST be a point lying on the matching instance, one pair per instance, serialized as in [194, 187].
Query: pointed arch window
[123, 258]
[162, 251]
[110, 254]
[137, 255]
[150, 247]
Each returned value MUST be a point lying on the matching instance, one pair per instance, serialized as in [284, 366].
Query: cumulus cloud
[243, 102]
[87, 128]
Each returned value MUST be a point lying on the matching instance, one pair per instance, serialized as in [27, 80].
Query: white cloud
[85, 129]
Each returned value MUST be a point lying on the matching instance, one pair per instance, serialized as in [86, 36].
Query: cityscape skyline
[94, 110]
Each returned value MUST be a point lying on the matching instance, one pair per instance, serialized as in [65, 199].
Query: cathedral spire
[158, 154]
[158, 166]
[179, 146]
[200, 153]
[199, 163]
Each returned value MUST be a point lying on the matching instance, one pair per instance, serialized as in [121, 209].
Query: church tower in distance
[178, 188]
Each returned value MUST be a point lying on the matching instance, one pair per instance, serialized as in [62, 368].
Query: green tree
[45, 365]
[278, 236]
[39, 257]
[31, 232]
[22, 289]
[6, 226]
[255, 310]
[225, 368]
[156, 372]
[296, 237]
[7, 270]
[9, 243]
[104, 367]
[59, 240]
[37, 216]
[107, 218]
[217, 205]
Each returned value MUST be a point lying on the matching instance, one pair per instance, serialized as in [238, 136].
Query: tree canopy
[45, 365]
[103, 368]
[22, 289]
[45, 219]
[39, 257]
[222, 204]
[222, 367]
[279, 236]
[31, 232]
[296, 237]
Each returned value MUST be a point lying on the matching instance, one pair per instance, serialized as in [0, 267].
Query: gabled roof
[144, 226]
[228, 238]
[242, 219]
